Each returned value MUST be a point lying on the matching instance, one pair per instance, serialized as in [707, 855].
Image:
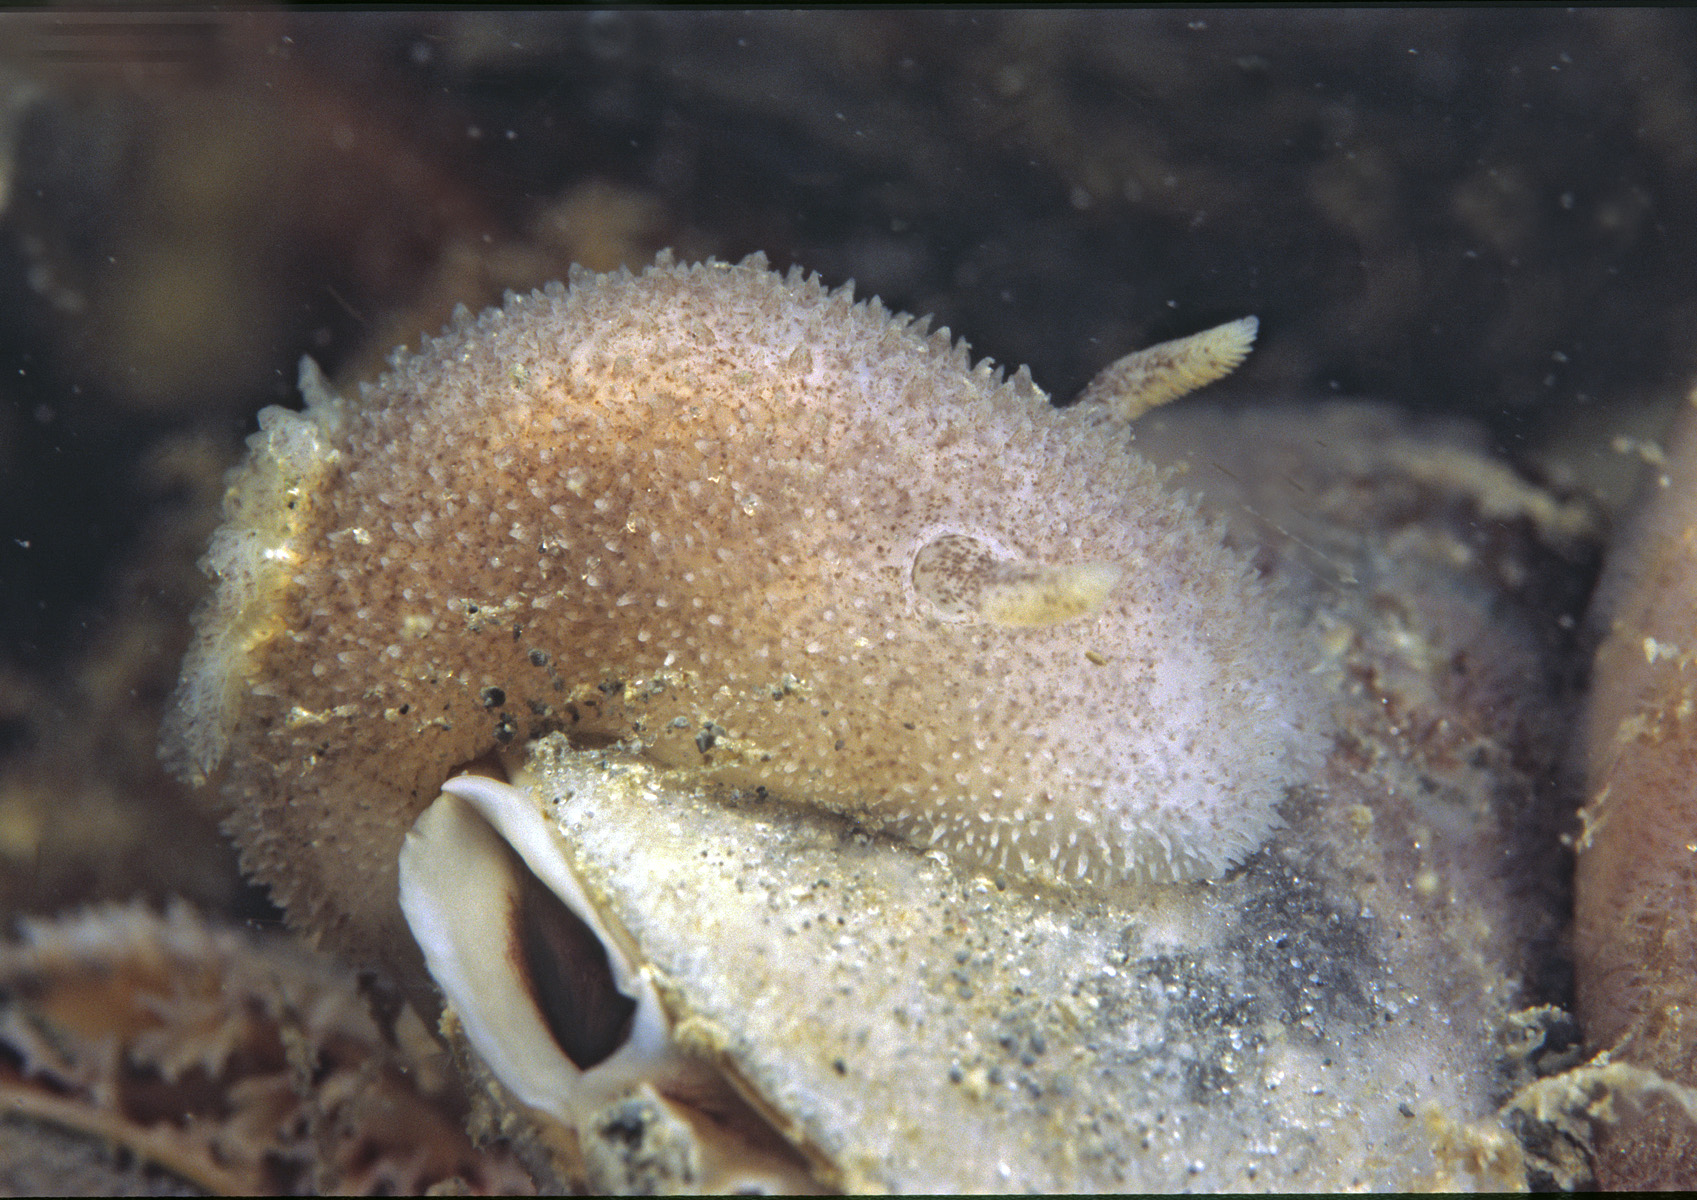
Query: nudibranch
[736, 522]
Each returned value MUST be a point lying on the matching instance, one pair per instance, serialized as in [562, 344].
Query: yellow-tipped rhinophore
[1146, 379]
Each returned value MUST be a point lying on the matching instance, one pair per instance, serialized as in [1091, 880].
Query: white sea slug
[760, 532]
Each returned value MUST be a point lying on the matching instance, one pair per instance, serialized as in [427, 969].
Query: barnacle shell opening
[551, 998]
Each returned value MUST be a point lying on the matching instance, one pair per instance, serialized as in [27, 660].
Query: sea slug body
[753, 529]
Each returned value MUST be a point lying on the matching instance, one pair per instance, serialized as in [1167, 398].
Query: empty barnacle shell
[906, 1027]
[551, 997]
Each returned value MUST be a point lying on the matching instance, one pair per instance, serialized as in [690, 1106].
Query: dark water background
[1488, 214]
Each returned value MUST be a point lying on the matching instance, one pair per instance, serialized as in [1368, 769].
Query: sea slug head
[748, 528]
